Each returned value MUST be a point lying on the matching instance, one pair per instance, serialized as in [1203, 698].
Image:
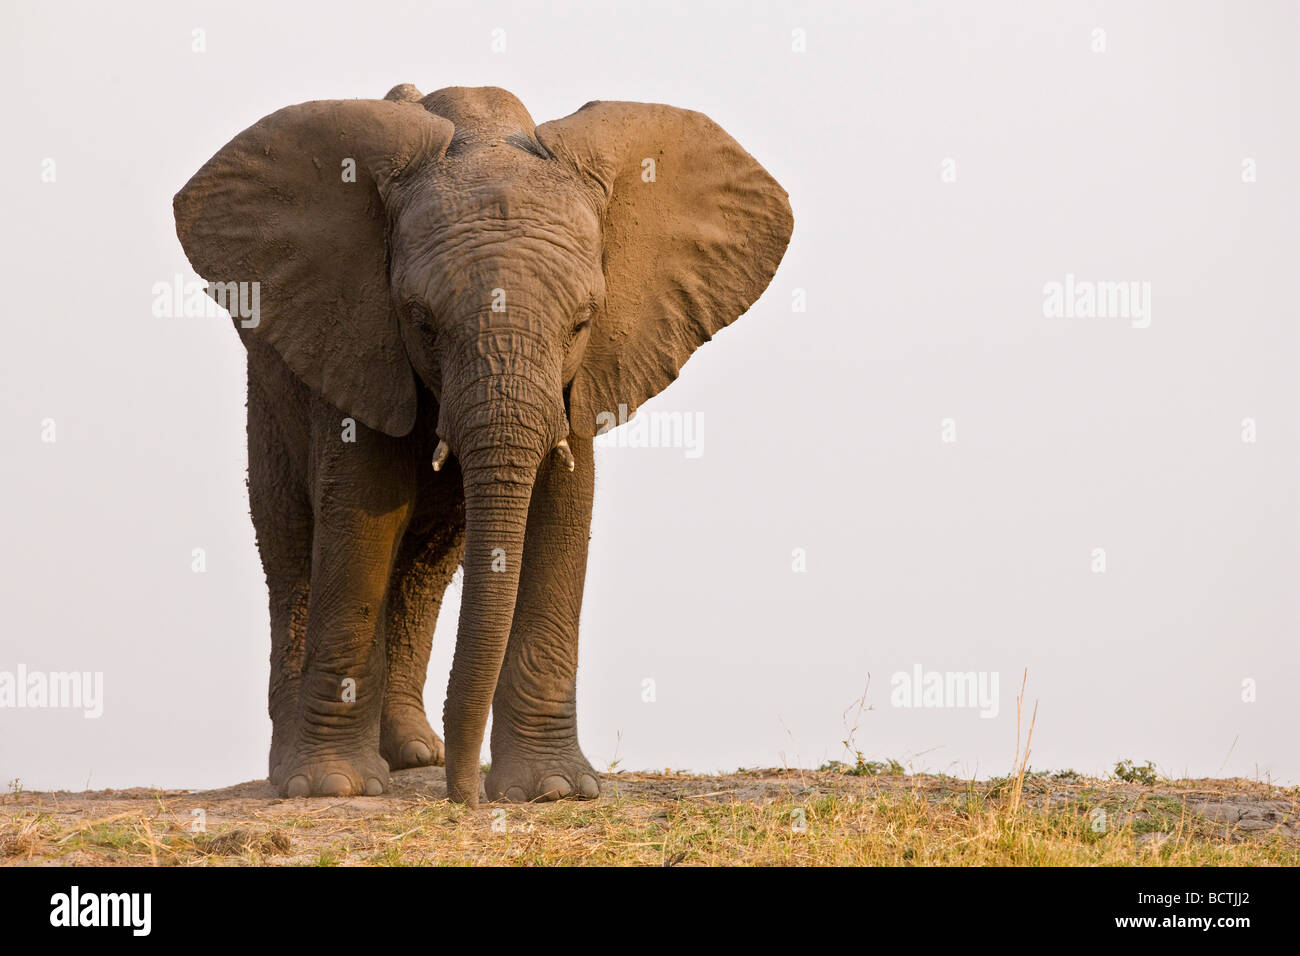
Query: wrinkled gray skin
[485, 284]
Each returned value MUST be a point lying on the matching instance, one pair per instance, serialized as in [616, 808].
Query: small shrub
[863, 767]
[1144, 774]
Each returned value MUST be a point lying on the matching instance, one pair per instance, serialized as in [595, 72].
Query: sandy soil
[248, 822]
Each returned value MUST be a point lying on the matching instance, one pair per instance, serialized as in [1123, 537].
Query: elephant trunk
[499, 427]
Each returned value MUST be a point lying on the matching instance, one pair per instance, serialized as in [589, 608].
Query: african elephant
[449, 298]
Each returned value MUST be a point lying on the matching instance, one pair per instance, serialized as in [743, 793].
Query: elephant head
[531, 277]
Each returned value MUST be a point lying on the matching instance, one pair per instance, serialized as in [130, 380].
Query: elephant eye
[584, 317]
[419, 314]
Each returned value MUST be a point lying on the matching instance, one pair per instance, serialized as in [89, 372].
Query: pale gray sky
[824, 429]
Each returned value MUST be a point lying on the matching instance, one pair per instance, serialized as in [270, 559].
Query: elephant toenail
[516, 795]
[335, 785]
[588, 787]
[374, 787]
[554, 787]
[298, 786]
[416, 753]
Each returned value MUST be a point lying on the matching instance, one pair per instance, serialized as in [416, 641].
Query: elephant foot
[407, 740]
[281, 752]
[539, 778]
[333, 774]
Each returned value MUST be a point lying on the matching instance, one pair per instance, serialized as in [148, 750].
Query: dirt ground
[768, 816]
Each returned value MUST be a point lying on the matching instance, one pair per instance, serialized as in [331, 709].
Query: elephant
[449, 297]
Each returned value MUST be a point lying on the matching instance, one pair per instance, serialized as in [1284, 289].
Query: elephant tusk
[566, 454]
[440, 455]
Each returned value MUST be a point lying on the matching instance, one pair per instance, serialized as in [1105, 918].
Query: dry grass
[770, 817]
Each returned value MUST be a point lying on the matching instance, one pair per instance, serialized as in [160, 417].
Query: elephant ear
[295, 204]
[694, 230]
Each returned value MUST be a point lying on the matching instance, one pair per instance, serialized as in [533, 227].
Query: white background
[822, 428]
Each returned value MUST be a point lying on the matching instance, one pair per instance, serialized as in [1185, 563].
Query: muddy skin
[444, 283]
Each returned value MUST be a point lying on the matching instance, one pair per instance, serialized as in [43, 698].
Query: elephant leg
[363, 496]
[289, 592]
[282, 519]
[535, 753]
[426, 563]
